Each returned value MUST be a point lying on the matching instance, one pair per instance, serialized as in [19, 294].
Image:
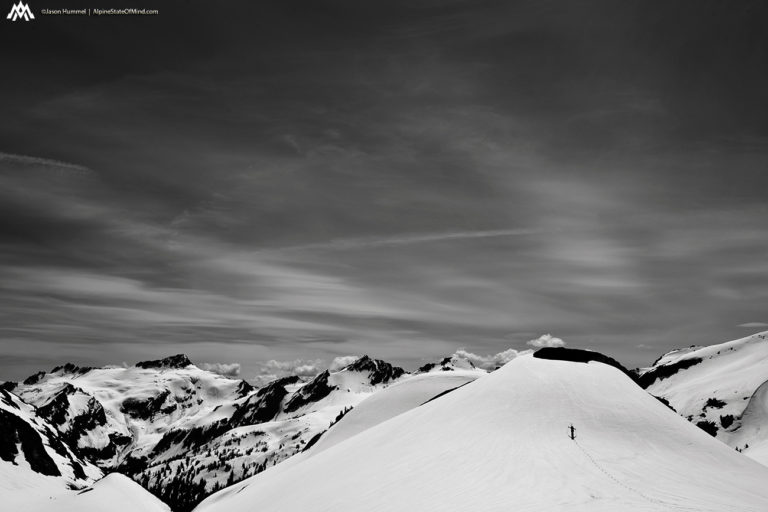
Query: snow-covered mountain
[449, 364]
[33, 455]
[721, 388]
[183, 432]
[107, 413]
[373, 431]
[501, 442]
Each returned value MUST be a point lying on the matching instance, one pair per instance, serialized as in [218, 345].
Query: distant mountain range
[184, 433]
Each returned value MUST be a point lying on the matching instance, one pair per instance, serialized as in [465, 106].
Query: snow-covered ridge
[34, 456]
[184, 432]
[713, 386]
[502, 442]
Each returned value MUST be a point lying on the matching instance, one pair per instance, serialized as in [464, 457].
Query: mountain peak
[177, 361]
[317, 389]
[448, 364]
[71, 368]
[379, 371]
[34, 378]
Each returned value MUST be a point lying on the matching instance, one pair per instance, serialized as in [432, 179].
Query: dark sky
[281, 183]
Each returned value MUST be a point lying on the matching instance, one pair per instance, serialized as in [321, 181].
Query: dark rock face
[34, 379]
[9, 385]
[444, 365]
[278, 384]
[177, 361]
[15, 431]
[244, 389]
[5, 396]
[72, 368]
[264, 405]
[580, 356]
[56, 410]
[379, 372]
[316, 390]
[146, 408]
[667, 370]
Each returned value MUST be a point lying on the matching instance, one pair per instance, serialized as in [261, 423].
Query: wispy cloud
[37, 161]
[393, 241]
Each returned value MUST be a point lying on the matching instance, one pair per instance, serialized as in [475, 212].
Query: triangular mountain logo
[20, 10]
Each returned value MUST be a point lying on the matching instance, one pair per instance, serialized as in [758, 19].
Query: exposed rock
[312, 392]
[9, 385]
[15, 431]
[379, 372]
[72, 368]
[667, 370]
[577, 355]
[34, 379]
[265, 404]
[177, 361]
[146, 408]
[244, 389]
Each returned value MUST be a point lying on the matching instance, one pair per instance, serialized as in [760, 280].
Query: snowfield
[113, 493]
[392, 401]
[501, 443]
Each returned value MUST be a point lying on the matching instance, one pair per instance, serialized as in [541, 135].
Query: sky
[272, 186]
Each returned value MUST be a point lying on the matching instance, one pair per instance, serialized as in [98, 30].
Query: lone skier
[572, 434]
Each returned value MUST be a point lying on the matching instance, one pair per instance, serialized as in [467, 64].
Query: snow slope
[713, 386]
[392, 401]
[752, 436]
[113, 493]
[501, 443]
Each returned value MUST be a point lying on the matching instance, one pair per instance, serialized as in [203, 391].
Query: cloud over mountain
[546, 340]
[225, 369]
[490, 362]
